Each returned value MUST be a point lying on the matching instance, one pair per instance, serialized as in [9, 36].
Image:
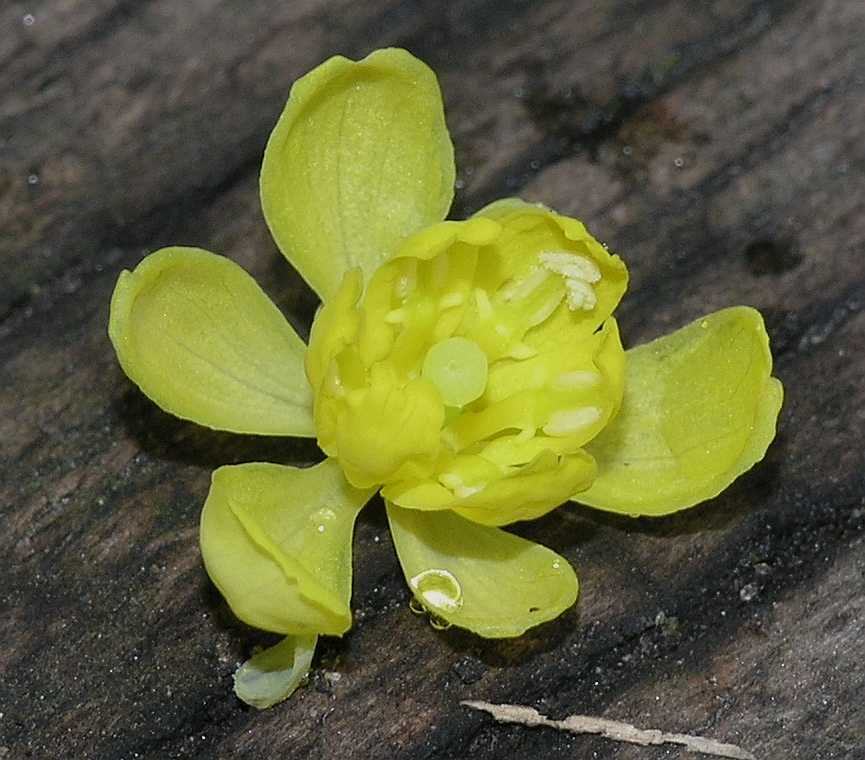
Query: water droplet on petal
[438, 590]
[321, 517]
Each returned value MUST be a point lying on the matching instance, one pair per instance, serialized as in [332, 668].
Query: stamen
[485, 308]
[516, 291]
[522, 351]
[572, 421]
[450, 439]
[542, 314]
[395, 316]
[451, 300]
[463, 492]
[580, 295]
[454, 482]
[451, 480]
[570, 265]
[580, 274]
[574, 380]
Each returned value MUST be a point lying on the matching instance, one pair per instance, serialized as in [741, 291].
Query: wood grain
[718, 147]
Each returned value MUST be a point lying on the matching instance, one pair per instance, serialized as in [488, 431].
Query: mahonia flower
[471, 371]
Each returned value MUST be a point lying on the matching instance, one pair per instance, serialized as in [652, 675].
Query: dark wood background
[719, 147]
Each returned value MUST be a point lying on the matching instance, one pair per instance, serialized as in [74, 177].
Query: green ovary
[448, 377]
[458, 369]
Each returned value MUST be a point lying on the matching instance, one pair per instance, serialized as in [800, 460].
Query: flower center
[464, 368]
[457, 367]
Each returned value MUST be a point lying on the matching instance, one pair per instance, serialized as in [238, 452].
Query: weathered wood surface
[719, 147]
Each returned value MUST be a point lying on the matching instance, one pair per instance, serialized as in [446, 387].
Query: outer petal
[699, 409]
[276, 541]
[273, 674]
[195, 332]
[359, 158]
[480, 578]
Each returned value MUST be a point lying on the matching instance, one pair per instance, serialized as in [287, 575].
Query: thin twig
[609, 729]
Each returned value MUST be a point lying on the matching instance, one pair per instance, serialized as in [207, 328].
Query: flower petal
[699, 409]
[360, 158]
[477, 577]
[510, 482]
[199, 337]
[276, 541]
[272, 675]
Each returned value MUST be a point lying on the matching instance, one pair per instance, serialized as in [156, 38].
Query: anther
[580, 274]
[572, 421]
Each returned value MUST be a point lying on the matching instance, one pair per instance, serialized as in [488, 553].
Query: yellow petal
[480, 578]
[360, 158]
[276, 541]
[699, 409]
[496, 488]
[439, 238]
[368, 449]
[199, 337]
[273, 674]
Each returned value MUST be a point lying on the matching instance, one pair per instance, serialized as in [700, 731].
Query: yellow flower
[472, 371]
[475, 367]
